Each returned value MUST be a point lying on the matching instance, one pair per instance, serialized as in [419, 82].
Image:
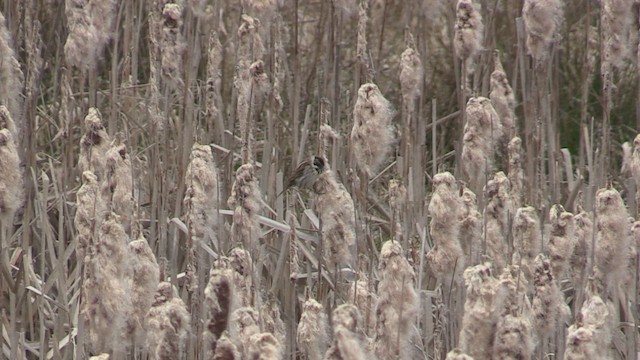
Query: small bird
[306, 174]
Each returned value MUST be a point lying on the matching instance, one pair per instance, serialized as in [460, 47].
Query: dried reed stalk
[515, 171]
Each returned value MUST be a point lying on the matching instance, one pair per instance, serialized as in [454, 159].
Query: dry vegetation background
[478, 198]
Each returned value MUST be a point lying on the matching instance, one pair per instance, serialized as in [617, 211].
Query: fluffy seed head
[482, 133]
[612, 237]
[10, 177]
[411, 73]
[562, 241]
[371, 136]
[337, 213]
[312, 334]
[542, 19]
[468, 31]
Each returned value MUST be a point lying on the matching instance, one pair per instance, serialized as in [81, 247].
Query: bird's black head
[318, 164]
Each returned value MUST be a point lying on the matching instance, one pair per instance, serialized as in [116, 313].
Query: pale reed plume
[616, 18]
[631, 163]
[612, 237]
[562, 241]
[263, 8]
[117, 190]
[214, 84]
[372, 135]
[11, 186]
[468, 36]
[364, 298]
[468, 31]
[246, 202]
[89, 212]
[482, 134]
[264, 346]
[470, 226]
[243, 324]
[172, 45]
[542, 18]
[94, 144]
[337, 214]
[313, 330]
[226, 350]
[514, 331]
[446, 258]
[81, 46]
[502, 98]
[201, 197]
[549, 307]
[397, 304]
[362, 50]
[590, 336]
[144, 277]
[251, 81]
[497, 213]
[347, 344]
[527, 242]
[6, 121]
[580, 261]
[479, 320]
[168, 324]
[411, 73]
[218, 305]
[106, 302]
[239, 261]
[11, 77]
[457, 354]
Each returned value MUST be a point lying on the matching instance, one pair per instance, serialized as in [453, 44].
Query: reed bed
[306, 179]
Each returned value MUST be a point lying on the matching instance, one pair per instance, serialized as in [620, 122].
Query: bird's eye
[318, 163]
